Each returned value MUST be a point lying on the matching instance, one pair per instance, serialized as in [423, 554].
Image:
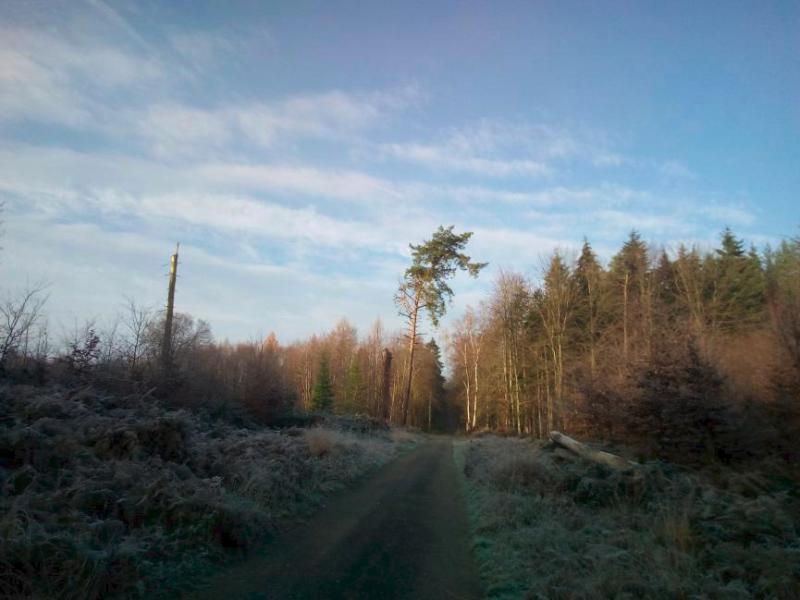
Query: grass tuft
[121, 497]
[546, 526]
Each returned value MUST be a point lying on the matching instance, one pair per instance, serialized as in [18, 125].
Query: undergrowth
[546, 526]
[104, 496]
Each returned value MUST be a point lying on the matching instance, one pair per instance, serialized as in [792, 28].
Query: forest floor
[403, 533]
[104, 496]
[546, 525]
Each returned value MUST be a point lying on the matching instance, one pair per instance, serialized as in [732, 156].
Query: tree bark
[386, 373]
[412, 345]
[612, 461]
[166, 345]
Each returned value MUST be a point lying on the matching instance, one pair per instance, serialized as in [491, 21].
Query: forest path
[402, 533]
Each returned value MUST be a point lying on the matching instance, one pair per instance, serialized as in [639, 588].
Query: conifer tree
[428, 387]
[556, 310]
[355, 392]
[631, 281]
[322, 397]
[739, 291]
[664, 280]
[588, 276]
[424, 287]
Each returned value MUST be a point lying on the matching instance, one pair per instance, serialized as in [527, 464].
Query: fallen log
[598, 456]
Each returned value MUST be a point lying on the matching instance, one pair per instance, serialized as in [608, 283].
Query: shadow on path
[401, 534]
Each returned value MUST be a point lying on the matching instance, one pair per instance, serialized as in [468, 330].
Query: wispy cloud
[262, 218]
[444, 158]
[125, 139]
[53, 80]
[76, 82]
[676, 169]
[178, 130]
[497, 149]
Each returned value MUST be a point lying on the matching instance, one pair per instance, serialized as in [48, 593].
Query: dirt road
[401, 534]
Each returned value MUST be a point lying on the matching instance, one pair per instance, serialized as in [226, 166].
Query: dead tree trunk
[166, 344]
[597, 456]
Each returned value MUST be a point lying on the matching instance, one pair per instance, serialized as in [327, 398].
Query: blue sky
[296, 148]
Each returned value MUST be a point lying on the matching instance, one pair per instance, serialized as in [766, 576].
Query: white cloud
[609, 159]
[730, 215]
[71, 79]
[239, 214]
[53, 80]
[29, 90]
[498, 149]
[179, 130]
[444, 157]
[309, 181]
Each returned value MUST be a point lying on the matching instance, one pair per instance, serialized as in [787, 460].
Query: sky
[295, 149]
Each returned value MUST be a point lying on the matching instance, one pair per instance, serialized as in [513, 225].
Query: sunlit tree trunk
[625, 318]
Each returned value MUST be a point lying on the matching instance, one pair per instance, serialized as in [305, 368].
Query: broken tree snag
[598, 456]
[166, 344]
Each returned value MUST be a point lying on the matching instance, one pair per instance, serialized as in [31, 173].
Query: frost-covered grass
[118, 497]
[552, 527]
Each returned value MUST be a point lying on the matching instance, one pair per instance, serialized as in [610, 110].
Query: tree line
[677, 347]
[395, 377]
[652, 346]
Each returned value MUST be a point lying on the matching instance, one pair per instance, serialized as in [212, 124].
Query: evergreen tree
[664, 280]
[631, 283]
[632, 260]
[434, 381]
[424, 287]
[739, 292]
[322, 397]
[589, 294]
[355, 392]
[556, 312]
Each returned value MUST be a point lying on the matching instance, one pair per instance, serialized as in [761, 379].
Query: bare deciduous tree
[18, 315]
[134, 348]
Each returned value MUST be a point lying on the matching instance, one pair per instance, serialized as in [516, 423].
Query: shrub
[101, 492]
[583, 531]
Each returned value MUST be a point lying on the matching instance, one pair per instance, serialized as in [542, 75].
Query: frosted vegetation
[119, 496]
[550, 526]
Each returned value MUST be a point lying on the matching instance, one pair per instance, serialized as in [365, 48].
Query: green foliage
[592, 296]
[665, 286]
[682, 413]
[322, 396]
[738, 291]
[436, 381]
[632, 260]
[355, 390]
[433, 263]
[587, 271]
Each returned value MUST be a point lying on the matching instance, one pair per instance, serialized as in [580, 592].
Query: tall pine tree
[589, 294]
